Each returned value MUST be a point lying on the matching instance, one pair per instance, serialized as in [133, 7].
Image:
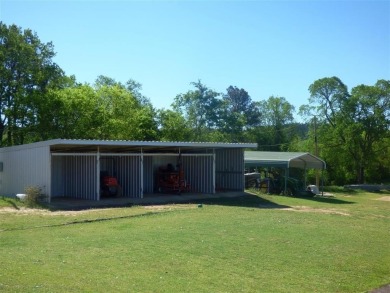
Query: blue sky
[266, 47]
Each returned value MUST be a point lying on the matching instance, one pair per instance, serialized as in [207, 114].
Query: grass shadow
[330, 200]
[246, 200]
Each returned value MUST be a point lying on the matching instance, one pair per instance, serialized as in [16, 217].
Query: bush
[34, 196]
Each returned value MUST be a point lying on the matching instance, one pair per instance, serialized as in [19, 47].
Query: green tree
[123, 115]
[330, 94]
[277, 123]
[27, 71]
[134, 87]
[369, 123]
[108, 110]
[239, 113]
[72, 112]
[353, 125]
[173, 126]
[201, 109]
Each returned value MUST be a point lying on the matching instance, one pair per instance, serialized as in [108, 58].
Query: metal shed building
[72, 168]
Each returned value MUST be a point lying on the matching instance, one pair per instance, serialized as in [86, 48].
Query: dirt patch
[383, 289]
[314, 210]
[384, 198]
[28, 211]
[168, 207]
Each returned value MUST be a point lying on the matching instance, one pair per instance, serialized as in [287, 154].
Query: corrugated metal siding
[57, 170]
[23, 168]
[148, 175]
[127, 171]
[2, 176]
[75, 176]
[78, 176]
[198, 171]
[230, 169]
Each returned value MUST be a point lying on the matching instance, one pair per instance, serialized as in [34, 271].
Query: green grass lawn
[256, 243]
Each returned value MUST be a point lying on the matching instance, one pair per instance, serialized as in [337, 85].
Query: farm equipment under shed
[109, 185]
[170, 179]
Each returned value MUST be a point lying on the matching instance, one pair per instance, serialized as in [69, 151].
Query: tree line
[350, 130]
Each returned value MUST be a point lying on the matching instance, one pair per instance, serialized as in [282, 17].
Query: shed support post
[214, 163]
[98, 174]
[142, 175]
[179, 167]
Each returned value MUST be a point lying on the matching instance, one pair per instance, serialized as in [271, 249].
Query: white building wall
[24, 167]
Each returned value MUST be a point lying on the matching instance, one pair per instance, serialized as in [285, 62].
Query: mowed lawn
[255, 243]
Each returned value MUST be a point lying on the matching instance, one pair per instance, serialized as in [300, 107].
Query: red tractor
[108, 185]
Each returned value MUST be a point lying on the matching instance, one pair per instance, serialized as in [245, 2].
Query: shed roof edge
[60, 141]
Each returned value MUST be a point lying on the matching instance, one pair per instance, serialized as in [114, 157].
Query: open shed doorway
[122, 174]
[178, 173]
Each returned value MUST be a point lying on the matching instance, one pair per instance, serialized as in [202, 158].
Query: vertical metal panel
[198, 171]
[57, 182]
[74, 176]
[230, 169]
[148, 184]
[79, 177]
[23, 168]
[127, 170]
[141, 173]
[214, 172]
[97, 175]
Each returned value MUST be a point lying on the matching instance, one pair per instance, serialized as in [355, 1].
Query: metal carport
[284, 160]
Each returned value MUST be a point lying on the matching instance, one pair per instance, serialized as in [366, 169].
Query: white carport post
[98, 174]
[286, 174]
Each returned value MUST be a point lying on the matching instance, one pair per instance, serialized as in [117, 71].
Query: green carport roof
[283, 160]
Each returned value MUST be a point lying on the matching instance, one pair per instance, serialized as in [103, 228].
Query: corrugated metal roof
[150, 143]
[284, 159]
[123, 145]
